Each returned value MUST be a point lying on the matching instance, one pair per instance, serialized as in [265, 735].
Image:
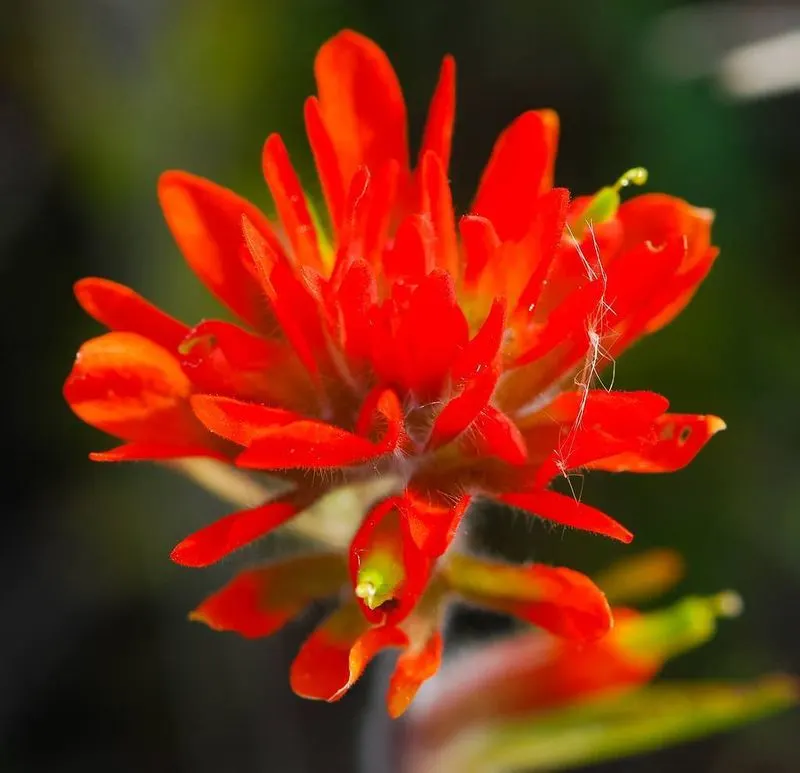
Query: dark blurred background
[99, 669]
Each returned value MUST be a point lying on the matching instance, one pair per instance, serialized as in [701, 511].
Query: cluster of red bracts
[452, 356]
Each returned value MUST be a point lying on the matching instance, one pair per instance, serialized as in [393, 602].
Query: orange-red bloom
[453, 354]
[260, 601]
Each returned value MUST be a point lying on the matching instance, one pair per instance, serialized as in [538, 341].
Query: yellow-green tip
[373, 588]
[636, 176]
[606, 201]
[681, 627]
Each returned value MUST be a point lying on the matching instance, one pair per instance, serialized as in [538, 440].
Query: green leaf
[610, 728]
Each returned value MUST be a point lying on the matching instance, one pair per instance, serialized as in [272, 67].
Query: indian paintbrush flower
[452, 357]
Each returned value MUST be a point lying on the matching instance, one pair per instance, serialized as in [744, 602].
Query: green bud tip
[636, 176]
[366, 591]
[373, 589]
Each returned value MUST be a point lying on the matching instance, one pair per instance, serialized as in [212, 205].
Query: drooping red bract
[455, 354]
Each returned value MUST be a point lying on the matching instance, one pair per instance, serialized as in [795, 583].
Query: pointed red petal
[356, 295]
[567, 511]
[236, 420]
[437, 204]
[369, 212]
[480, 242]
[361, 104]
[120, 308]
[496, 435]
[438, 134]
[142, 452]
[677, 439]
[206, 221]
[458, 414]
[518, 172]
[328, 169]
[410, 256]
[484, 347]
[533, 257]
[615, 412]
[333, 658]
[261, 601]
[294, 304]
[476, 365]
[562, 601]
[307, 444]
[413, 668]
[214, 542]
[426, 358]
[130, 387]
[290, 201]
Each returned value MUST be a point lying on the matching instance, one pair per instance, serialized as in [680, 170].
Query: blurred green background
[99, 669]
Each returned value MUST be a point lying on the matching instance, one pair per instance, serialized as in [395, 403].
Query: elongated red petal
[260, 601]
[356, 294]
[567, 511]
[290, 202]
[458, 414]
[413, 668]
[239, 421]
[437, 204]
[130, 387]
[410, 256]
[368, 212]
[333, 658]
[496, 435]
[422, 361]
[518, 172]
[531, 260]
[481, 243]
[206, 221]
[142, 452]
[615, 412]
[483, 349]
[562, 601]
[120, 308]
[295, 308]
[328, 169]
[476, 364]
[361, 103]
[307, 444]
[438, 134]
[677, 439]
[214, 542]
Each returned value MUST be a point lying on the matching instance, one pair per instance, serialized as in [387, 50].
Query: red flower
[455, 356]
[258, 602]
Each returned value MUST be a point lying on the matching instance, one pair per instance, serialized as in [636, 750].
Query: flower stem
[331, 521]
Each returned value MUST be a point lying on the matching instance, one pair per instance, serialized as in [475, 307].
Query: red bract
[258, 602]
[453, 354]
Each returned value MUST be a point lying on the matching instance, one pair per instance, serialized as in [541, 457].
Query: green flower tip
[606, 201]
[636, 176]
[373, 588]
